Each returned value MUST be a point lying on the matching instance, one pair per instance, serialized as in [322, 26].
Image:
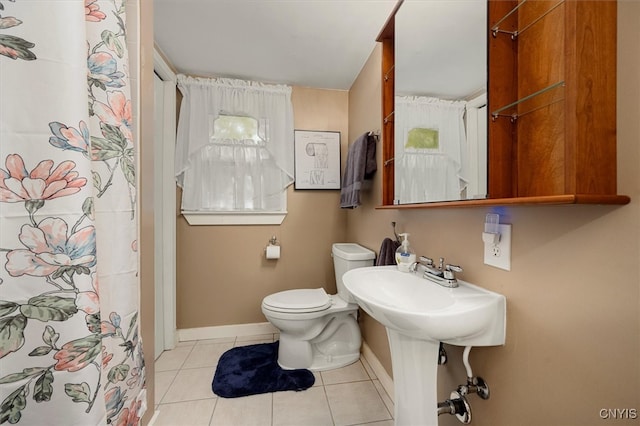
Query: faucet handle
[449, 271]
[426, 260]
[454, 268]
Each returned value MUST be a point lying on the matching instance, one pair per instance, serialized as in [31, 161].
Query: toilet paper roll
[273, 252]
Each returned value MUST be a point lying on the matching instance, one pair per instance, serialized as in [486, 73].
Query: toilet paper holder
[272, 250]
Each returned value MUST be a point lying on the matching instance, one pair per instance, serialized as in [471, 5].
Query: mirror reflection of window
[440, 62]
[431, 164]
[420, 138]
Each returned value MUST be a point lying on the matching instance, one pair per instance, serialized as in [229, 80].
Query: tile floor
[350, 395]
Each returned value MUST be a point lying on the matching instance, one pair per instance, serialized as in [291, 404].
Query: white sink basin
[418, 314]
[414, 306]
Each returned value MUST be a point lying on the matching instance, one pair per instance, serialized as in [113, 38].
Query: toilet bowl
[319, 331]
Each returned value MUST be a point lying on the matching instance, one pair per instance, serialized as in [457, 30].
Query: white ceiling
[325, 43]
[312, 43]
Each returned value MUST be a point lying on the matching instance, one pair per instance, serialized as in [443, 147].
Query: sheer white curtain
[430, 174]
[221, 174]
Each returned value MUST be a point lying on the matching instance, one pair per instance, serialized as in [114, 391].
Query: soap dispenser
[405, 256]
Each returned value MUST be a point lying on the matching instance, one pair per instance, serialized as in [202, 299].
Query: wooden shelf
[519, 201]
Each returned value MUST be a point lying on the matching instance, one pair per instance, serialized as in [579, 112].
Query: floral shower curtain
[70, 349]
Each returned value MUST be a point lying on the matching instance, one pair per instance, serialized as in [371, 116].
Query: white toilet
[319, 331]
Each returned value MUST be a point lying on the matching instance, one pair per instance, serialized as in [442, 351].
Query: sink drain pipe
[457, 403]
[458, 406]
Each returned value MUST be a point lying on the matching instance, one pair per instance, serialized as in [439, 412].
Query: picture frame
[317, 159]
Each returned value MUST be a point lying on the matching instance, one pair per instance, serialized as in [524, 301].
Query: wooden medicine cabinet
[551, 104]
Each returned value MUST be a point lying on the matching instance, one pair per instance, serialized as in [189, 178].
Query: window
[234, 155]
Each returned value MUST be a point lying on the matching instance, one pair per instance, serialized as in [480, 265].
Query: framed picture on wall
[317, 159]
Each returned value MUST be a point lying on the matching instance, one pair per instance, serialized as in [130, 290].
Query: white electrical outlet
[499, 255]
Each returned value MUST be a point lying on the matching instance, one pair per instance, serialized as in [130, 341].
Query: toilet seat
[298, 301]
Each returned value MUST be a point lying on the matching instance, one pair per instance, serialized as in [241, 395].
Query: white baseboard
[201, 333]
[154, 418]
[385, 380]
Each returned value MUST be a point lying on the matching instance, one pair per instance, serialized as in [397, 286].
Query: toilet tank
[347, 256]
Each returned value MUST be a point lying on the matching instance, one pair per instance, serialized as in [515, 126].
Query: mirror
[440, 114]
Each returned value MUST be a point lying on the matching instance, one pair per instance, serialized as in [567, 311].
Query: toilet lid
[299, 300]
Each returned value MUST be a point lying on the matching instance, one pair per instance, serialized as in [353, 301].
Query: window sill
[234, 218]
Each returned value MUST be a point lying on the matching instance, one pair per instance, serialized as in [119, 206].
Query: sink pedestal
[415, 369]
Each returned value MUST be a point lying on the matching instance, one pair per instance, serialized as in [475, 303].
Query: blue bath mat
[254, 369]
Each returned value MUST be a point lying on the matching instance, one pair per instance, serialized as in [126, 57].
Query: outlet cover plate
[499, 255]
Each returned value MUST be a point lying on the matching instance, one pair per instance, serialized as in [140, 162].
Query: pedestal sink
[419, 314]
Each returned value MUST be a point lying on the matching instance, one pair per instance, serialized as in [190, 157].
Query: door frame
[166, 181]
[476, 129]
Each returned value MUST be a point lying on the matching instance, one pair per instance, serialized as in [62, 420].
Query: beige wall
[573, 299]
[222, 274]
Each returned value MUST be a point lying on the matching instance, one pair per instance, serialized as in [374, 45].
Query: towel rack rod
[556, 96]
[388, 73]
[496, 28]
[514, 34]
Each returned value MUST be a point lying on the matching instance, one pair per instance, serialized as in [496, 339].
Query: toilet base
[322, 363]
[327, 362]
[336, 346]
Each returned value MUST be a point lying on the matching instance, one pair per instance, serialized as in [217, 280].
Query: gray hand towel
[387, 254]
[361, 165]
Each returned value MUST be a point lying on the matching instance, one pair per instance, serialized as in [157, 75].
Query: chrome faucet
[444, 274]
[426, 263]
